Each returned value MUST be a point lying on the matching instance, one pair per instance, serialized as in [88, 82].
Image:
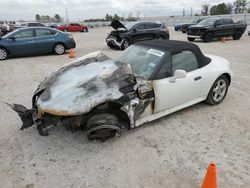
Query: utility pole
[67, 17]
[191, 12]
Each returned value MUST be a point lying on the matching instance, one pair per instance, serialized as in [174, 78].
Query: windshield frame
[154, 73]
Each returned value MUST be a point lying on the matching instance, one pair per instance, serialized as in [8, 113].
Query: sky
[85, 9]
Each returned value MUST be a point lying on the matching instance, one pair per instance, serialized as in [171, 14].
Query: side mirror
[178, 74]
[134, 30]
[12, 38]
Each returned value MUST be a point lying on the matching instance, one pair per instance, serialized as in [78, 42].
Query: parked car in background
[73, 27]
[177, 27]
[35, 40]
[211, 28]
[248, 32]
[185, 26]
[132, 32]
[149, 80]
[35, 24]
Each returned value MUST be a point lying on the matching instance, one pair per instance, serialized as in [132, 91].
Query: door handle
[197, 78]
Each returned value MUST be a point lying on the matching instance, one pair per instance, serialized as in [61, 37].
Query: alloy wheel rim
[3, 54]
[126, 44]
[219, 90]
[59, 49]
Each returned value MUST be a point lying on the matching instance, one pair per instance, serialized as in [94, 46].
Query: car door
[22, 42]
[170, 93]
[220, 28]
[138, 32]
[151, 30]
[44, 40]
[228, 27]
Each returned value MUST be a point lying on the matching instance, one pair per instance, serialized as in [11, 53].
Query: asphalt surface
[173, 151]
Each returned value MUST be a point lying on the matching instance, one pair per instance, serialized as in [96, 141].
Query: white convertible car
[149, 80]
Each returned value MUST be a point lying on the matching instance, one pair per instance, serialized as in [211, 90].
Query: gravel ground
[173, 151]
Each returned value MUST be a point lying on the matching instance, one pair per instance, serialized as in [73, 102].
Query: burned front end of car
[115, 38]
[89, 86]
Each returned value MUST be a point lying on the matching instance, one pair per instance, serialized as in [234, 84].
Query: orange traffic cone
[210, 178]
[223, 39]
[71, 53]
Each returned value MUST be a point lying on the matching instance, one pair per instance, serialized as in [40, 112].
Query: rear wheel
[218, 91]
[59, 49]
[208, 37]
[103, 127]
[191, 39]
[3, 54]
[237, 35]
[125, 44]
[161, 37]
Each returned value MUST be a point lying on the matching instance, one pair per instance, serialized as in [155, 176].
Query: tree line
[47, 19]
[237, 7]
[109, 17]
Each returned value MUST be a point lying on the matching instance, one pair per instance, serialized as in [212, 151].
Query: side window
[227, 21]
[185, 60]
[43, 32]
[219, 22]
[165, 70]
[24, 34]
[140, 26]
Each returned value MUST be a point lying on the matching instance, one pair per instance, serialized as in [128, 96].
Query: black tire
[208, 37]
[161, 37]
[59, 49]
[211, 95]
[3, 54]
[125, 44]
[175, 29]
[237, 35]
[103, 127]
[191, 39]
[87, 30]
[183, 31]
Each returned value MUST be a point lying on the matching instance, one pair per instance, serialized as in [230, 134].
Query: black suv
[133, 32]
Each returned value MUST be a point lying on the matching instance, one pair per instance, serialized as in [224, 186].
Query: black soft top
[174, 47]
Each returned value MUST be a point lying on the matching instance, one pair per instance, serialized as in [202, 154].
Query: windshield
[209, 21]
[193, 21]
[10, 34]
[130, 25]
[143, 60]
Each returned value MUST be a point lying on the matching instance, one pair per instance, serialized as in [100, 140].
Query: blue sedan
[35, 40]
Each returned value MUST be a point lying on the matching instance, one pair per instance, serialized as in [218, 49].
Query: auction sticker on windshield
[156, 52]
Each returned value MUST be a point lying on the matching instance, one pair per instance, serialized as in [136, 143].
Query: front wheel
[59, 49]
[125, 44]
[191, 39]
[208, 37]
[3, 54]
[218, 91]
[103, 127]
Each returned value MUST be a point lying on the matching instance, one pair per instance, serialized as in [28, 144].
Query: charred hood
[77, 88]
[116, 24]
